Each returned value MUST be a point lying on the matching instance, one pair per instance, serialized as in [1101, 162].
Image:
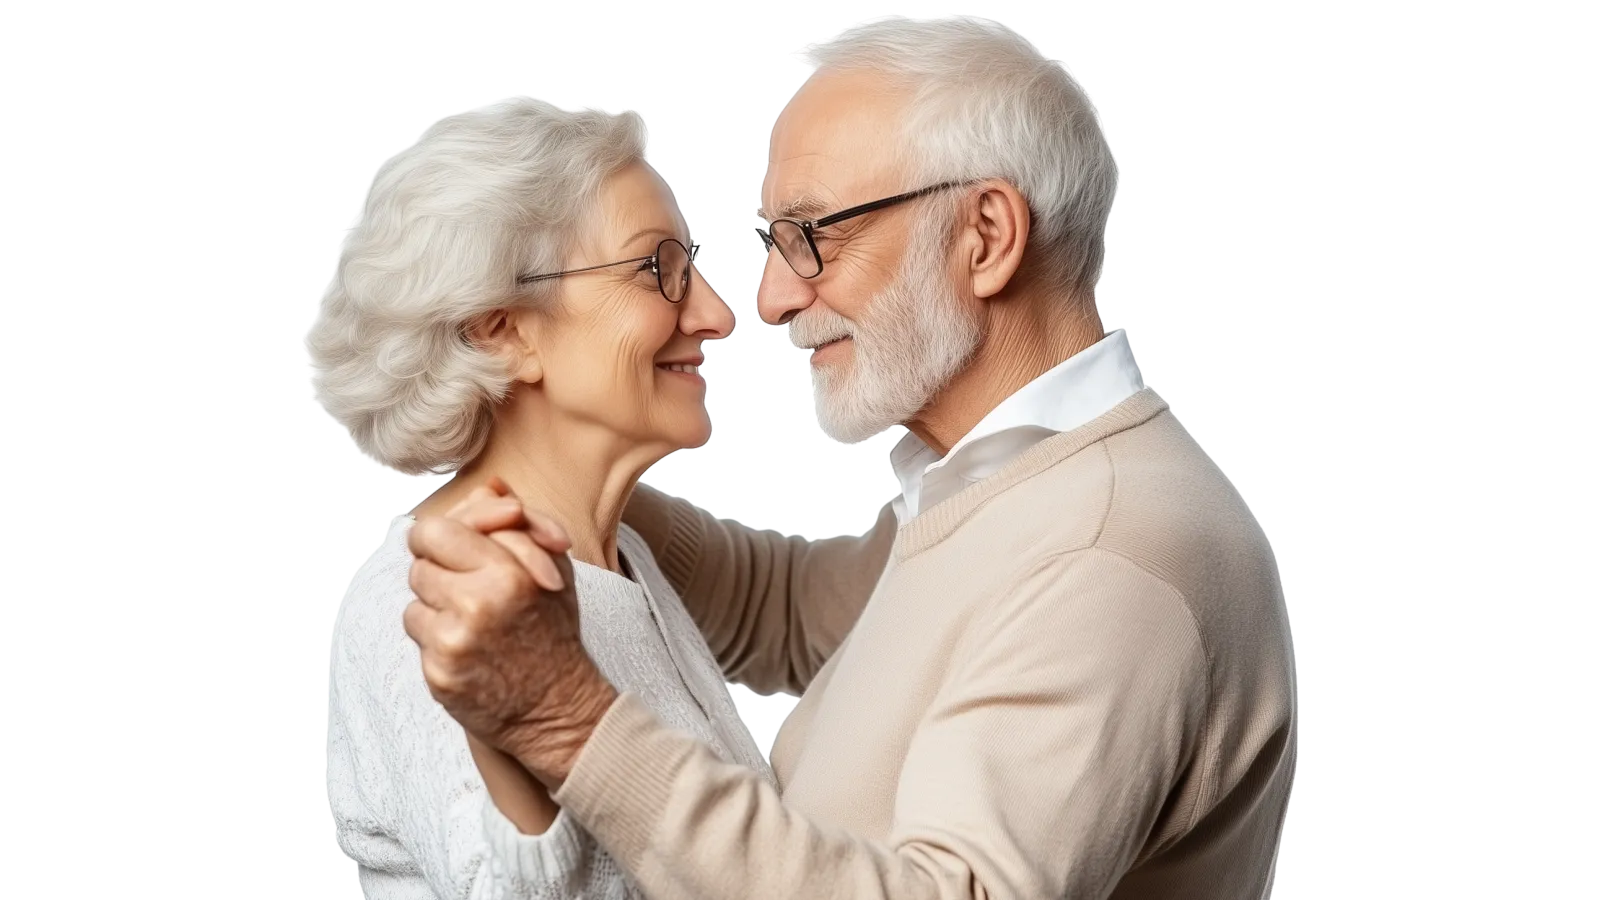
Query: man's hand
[496, 619]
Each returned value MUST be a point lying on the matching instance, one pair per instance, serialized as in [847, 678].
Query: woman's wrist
[520, 798]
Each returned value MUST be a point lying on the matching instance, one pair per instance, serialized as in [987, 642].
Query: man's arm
[1042, 769]
[772, 607]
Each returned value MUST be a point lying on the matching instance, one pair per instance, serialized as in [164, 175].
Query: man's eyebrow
[803, 207]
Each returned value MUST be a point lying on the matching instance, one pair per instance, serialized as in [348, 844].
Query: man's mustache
[817, 326]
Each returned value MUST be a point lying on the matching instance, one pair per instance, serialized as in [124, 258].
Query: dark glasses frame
[808, 227]
[653, 262]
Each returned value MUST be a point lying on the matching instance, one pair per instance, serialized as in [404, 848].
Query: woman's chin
[697, 437]
[688, 433]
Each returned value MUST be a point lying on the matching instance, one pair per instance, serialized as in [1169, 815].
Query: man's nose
[782, 294]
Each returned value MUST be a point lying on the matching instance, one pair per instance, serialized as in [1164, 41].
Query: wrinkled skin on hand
[496, 619]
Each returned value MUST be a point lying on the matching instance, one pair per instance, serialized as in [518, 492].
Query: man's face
[886, 324]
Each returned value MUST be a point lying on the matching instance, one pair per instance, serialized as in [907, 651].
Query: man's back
[1074, 674]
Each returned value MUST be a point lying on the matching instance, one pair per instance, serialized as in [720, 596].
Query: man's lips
[823, 348]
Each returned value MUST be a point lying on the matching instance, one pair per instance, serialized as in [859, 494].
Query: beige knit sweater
[1073, 680]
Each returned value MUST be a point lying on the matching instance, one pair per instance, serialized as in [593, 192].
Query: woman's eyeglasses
[670, 263]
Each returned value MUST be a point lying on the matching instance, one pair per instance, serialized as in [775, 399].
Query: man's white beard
[913, 338]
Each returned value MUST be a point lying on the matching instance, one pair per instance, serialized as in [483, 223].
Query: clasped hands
[496, 618]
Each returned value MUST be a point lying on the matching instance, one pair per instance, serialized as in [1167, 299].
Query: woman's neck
[579, 474]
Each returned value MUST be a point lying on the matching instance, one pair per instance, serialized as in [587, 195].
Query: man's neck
[1026, 338]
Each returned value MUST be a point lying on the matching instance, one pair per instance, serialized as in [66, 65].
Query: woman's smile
[687, 369]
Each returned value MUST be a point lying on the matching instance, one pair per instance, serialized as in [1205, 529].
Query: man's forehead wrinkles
[803, 206]
[799, 191]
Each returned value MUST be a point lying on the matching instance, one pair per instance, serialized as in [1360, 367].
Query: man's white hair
[986, 104]
[449, 225]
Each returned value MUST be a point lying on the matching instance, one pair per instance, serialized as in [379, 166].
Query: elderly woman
[518, 304]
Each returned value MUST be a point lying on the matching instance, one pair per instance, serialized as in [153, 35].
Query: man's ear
[997, 223]
[511, 336]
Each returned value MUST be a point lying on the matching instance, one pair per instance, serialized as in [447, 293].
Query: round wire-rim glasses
[671, 264]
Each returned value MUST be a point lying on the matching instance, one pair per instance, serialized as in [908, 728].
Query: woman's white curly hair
[448, 226]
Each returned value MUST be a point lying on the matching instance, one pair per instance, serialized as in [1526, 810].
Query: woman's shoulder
[378, 593]
[387, 569]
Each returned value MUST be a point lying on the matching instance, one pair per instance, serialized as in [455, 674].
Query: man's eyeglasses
[670, 263]
[796, 239]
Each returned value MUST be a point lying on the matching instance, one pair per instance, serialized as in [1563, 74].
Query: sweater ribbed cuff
[531, 862]
[623, 779]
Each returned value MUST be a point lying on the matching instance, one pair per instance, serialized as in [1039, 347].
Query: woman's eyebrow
[651, 231]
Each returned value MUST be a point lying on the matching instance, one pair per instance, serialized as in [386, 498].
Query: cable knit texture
[408, 803]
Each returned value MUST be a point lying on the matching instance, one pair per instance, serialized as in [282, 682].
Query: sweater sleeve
[415, 775]
[772, 607]
[1039, 769]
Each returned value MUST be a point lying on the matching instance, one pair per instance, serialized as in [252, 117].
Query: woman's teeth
[681, 367]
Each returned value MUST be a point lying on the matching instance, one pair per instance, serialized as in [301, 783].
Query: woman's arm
[520, 797]
[772, 607]
[464, 822]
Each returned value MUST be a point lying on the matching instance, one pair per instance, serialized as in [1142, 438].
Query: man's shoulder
[1149, 494]
[1171, 509]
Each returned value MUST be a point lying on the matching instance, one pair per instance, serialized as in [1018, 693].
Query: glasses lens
[796, 250]
[672, 268]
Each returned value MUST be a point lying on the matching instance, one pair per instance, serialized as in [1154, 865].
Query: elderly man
[1060, 664]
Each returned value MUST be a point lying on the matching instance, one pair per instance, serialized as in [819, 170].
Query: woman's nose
[702, 312]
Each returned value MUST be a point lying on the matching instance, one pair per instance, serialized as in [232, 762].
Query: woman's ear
[510, 335]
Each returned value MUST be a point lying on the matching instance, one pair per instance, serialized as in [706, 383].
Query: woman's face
[612, 351]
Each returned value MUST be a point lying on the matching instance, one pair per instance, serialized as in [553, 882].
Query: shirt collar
[1082, 388]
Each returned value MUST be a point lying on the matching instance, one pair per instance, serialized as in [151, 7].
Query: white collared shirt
[1082, 388]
